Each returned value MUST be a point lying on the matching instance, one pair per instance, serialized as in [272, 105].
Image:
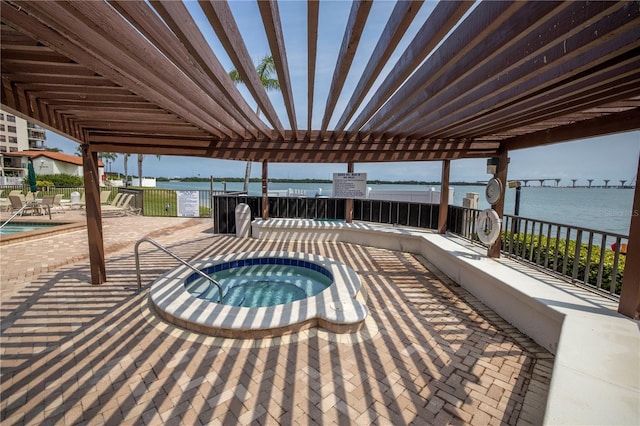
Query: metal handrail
[20, 211]
[14, 215]
[170, 253]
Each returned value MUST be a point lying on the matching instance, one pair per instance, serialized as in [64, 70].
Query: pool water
[15, 227]
[261, 285]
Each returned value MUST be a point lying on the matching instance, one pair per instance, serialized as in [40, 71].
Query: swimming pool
[17, 231]
[13, 227]
[338, 307]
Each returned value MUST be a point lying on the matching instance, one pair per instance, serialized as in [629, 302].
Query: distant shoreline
[378, 182]
[279, 180]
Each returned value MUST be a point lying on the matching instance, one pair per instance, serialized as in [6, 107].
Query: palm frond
[266, 69]
[235, 76]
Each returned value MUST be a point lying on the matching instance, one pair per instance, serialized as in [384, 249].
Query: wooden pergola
[478, 80]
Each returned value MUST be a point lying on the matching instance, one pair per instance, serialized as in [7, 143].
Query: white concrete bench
[596, 373]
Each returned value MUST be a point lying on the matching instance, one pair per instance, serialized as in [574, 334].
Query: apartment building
[17, 135]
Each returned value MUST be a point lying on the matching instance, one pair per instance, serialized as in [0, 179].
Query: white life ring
[488, 226]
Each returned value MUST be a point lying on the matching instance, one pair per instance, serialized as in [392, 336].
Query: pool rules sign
[349, 185]
[188, 203]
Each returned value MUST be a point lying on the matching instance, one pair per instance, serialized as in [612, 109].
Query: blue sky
[612, 157]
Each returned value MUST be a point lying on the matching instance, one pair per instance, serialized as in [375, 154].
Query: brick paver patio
[72, 353]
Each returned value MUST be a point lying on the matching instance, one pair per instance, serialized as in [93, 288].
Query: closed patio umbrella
[33, 186]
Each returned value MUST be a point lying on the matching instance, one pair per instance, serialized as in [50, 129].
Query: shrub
[556, 250]
[62, 179]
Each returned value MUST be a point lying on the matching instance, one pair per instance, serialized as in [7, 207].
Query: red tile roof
[58, 156]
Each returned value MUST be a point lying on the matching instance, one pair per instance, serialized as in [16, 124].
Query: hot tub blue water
[261, 284]
[301, 290]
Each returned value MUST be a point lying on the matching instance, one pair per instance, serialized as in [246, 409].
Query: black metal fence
[589, 257]
[224, 206]
[388, 212]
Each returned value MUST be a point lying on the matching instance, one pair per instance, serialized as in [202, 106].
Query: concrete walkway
[73, 353]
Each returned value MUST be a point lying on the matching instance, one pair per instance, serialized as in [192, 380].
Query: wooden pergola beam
[551, 107]
[355, 26]
[444, 17]
[551, 66]
[608, 124]
[329, 143]
[313, 10]
[179, 21]
[292, 156]
[273, 27]
[110, 62]
[482, 22]
[221, 19]
[497, 59]
[402, 16]
[146, 21]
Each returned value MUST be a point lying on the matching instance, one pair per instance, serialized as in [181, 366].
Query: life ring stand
[488, 226]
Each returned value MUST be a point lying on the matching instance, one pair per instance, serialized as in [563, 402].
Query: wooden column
[444, 197]
[501, 174]
[265, 190]
[349, 201]
[629, 304]
[94, 215]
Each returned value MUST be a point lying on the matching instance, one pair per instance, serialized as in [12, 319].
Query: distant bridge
[591, 183]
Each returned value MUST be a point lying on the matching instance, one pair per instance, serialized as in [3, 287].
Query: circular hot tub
[263, 294]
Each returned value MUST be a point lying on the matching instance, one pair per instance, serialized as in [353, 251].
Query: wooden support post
[444, 197]
[94, 215]
[349, 201]
[265, 190]
[501, 174]
[629, 304]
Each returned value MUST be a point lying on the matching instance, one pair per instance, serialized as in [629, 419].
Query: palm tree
[107, 157]
[266, 69]
[126, 168]
[140, 157]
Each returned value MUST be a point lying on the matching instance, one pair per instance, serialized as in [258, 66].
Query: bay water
[602, 209]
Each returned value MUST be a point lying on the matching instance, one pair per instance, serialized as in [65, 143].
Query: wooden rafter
[147, 22]
[180, 22]
[444, 17]
[498, 53]
[224, 24]
[402, 16]
[273, 27]
[79, 51]
[313, 11]
[482, 21]
[601, 125]
[524, 71]
[355, 25]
